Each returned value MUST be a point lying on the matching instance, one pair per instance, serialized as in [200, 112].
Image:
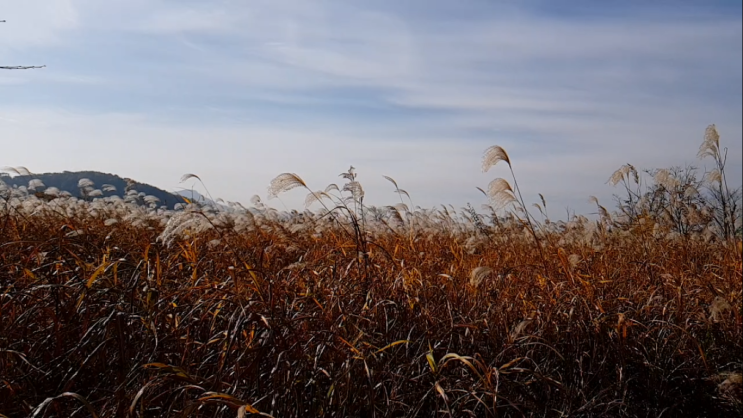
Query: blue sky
[241, 91]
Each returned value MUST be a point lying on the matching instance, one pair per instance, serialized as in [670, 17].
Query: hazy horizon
[238, 93]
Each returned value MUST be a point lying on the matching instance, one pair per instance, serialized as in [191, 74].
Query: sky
[238, 92]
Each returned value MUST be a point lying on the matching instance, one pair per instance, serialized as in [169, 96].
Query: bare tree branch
[19, 67]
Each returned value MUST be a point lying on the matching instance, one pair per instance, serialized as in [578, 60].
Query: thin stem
[528, 220]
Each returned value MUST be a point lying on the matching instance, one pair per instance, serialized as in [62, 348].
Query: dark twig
[19, 67]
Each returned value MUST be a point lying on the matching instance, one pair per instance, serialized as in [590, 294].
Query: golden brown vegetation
[109, 308]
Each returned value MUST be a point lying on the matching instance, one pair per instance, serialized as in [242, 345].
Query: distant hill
[68, 181]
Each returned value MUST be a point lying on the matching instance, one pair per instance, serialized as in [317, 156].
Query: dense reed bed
[111, 308]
